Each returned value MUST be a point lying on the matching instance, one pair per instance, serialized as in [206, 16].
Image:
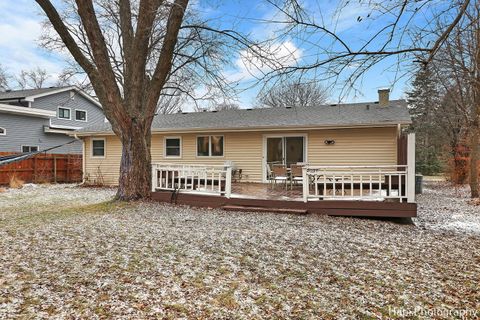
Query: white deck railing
[356, 182]
[212, 179]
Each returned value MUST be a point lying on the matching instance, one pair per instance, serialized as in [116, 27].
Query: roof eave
[60, 90]
[264, 128]
[31, 112]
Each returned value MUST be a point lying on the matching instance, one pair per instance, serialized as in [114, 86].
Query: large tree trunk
[474, 158]
[134, 181]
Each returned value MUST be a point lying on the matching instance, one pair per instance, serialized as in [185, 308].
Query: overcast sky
[20, 28]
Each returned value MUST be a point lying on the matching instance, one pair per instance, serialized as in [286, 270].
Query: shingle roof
[19, 94]
[355, 114]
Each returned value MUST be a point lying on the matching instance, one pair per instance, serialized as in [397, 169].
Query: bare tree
[129, 99]
[216, 106]
[399, 32]
[74, 77]
[226, 106]
[405, 31]
[457, 65]
[294, 94]
[32, 79]
[3, 79]
[132, 53]
[171, 101]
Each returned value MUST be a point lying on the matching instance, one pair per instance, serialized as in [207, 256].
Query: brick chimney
[383, 97]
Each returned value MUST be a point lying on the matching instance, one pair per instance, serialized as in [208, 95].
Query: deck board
[327, 207]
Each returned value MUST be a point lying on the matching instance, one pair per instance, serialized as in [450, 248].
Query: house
[345, 146]
[37, 119]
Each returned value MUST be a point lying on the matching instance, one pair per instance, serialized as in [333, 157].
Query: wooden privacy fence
[43, 168]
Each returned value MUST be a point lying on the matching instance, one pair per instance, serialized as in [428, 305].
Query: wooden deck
[261, 198]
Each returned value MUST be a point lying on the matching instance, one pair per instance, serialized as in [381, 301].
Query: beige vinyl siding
[367, 146]
[103, 170]
[373, 146]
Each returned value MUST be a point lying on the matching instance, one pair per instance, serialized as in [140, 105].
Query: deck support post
[411, 168]
[228, 182]
[154, 177]
[305, 184]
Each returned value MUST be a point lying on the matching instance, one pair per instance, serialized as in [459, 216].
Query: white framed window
[29, 149]
[3, 131]
[210, 146]
[64, 113]
[172, 147]
[98, 147]
[80, 115]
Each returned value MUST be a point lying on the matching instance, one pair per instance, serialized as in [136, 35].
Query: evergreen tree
[424, 103]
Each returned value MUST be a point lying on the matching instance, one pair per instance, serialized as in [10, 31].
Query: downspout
[83, 156]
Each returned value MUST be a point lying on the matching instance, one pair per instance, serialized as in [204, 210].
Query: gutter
[84, 155]
[250, 129]
[32, 112]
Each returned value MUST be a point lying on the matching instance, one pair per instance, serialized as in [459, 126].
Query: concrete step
[263, 209]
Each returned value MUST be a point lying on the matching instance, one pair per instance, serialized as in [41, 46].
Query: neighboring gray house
[37, 119]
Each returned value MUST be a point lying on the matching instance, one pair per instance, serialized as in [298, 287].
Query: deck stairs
[264, 209]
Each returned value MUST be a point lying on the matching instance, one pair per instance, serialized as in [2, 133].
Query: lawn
[68, 252]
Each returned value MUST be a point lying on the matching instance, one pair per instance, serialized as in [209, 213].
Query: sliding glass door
[294, 150]
[275, 151]
[285, 150]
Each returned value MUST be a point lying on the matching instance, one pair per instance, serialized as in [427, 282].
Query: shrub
[15, 182]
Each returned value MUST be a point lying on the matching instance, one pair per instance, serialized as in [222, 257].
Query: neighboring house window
[173, 147]
[98, 147]
[64, 113]
[80, 115]
[29, 148]
[210, 146]
[3, 132]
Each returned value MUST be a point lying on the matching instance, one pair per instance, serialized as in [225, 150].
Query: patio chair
[296, 174]
[236, 173]
[280, 173]
[268, 170]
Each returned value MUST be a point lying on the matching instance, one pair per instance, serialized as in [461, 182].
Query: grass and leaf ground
[89, 257]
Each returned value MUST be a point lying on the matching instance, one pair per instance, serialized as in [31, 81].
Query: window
[203, 146]
[80, 115]
[3, 131]
[210, 146]
[98, 148]
[63, 113]
[173, 147]
[29, 149]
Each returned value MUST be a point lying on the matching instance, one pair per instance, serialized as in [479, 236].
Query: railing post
[228, 182]
[305, 184]
[154, 177]
[410, 168]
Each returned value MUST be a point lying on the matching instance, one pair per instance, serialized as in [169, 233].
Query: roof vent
[288, 107]
[333, 105]
[214, 110]
[249, 109]
[184, 112]
[367, 107]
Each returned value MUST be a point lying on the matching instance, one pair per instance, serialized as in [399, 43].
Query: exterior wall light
[329, 142]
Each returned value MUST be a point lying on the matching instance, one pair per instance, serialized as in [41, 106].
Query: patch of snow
[447, 208]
